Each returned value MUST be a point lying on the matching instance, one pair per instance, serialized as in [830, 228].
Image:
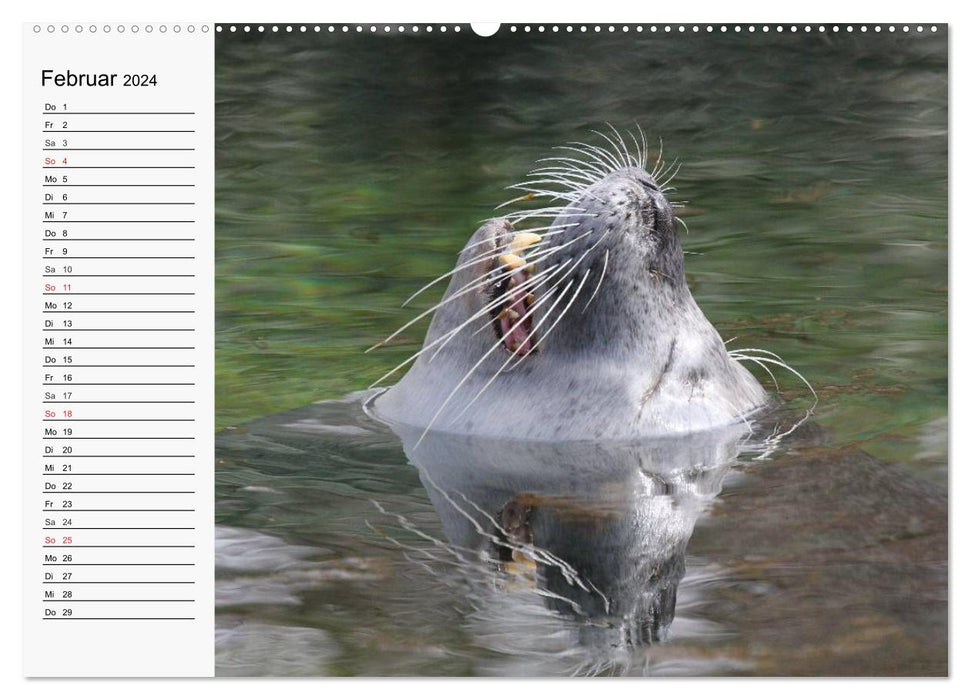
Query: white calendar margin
[79, 646]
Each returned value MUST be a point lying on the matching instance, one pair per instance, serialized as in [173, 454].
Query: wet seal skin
[574, 320]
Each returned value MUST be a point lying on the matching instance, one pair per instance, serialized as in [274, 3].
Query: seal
[574, 320]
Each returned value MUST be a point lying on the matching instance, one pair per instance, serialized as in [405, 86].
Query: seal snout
[622, 219]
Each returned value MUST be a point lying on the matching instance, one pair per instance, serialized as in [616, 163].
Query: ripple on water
[247, 648]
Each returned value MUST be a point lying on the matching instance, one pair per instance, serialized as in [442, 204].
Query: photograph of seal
[574, 320]
[571, 458]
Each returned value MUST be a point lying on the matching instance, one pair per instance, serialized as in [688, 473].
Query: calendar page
[526, 350]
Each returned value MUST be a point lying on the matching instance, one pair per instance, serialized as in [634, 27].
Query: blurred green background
[350, 169]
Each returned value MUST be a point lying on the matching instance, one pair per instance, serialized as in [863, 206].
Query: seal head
[583, 328]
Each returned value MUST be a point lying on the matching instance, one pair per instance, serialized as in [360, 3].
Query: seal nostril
[648, 182]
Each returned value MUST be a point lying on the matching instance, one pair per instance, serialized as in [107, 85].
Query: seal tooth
[523, 559]
[511, 261]
[521, 241]
[529, 298]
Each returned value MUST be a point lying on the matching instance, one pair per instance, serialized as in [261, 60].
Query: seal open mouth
[511, 320]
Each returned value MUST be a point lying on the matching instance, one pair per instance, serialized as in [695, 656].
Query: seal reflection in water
[574, 321]
[593, 533]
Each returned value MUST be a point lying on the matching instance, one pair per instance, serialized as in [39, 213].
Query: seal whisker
[598, 164]
[553, 178]
[604, 156]
[772, 442]
[637, 146]
[562, 313]
[760, 364]
[622, 143]
[643, 163]
[529, 285]
[512, 356]
[682, 222]
[552, 212]
[552, 194]
[548, 180]
[584, 166]
[522, 198]
[497, 344]
[497, 303]
[576, 181]
[544, 213]
[410, 527]
[658, 163]
[471, 263]
[565, 166]
[521, 215]
[766, 352]
[623, 156]
[489, 323]
[738, 414]
[737, 354]
[666, 168]
[664, 185]
[631, 161]
[588, 170]
[505, 274]
[541, 555]
[576, 293]
[446, 337]
[596, 289]
[662, 177]
[556, 283]
[571, 170]
[464, 290]
[619, 159]
[594, 157]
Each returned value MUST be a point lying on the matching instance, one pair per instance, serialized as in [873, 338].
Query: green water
[351, 169]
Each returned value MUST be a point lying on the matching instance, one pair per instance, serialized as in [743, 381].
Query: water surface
[351, 169]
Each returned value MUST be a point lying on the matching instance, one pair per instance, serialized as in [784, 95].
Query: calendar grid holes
[402, 29]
